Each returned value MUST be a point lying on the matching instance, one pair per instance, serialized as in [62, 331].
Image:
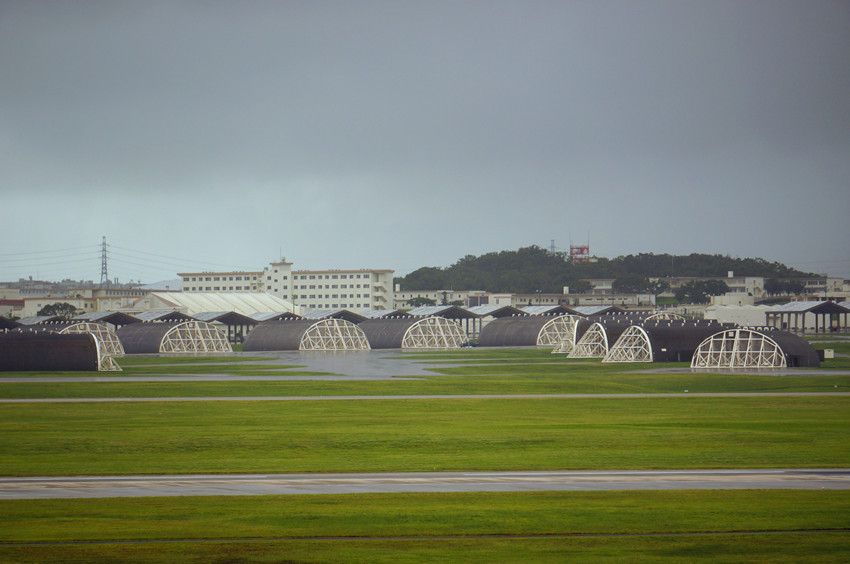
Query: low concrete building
[744, 315]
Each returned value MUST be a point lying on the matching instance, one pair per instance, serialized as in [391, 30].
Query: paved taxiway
[275, 484]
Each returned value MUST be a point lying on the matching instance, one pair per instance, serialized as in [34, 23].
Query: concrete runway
[276, 484]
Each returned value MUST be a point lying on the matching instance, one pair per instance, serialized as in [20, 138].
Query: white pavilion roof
[245, 303]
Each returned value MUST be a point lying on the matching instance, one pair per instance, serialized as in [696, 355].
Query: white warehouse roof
[245, 303]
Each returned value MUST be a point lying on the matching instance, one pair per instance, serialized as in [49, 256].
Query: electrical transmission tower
[104, 274]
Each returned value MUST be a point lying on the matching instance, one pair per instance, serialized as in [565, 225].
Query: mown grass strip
[491, 379]
[777, 549]
[423, 435]
[427, 527]
[423, 515]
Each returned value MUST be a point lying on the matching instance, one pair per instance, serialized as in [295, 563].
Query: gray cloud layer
[395, 135]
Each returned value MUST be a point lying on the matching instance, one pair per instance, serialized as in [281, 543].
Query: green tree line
[532, 269]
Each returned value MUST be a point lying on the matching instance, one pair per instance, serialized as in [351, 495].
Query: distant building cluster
[308, 289]
[280, 288]
[743, 290]
[90, 342]
[278, 309]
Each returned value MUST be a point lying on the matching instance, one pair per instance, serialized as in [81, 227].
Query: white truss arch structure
[105, 341]
[195, 337]
[593, 344]
[739, 348]
[632, 346]
[334, 335]
[434, 333]
[109, 341]
[559, 332]
[665, 315]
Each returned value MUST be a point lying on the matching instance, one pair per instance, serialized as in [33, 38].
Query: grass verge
[734, 525]
[423, 435]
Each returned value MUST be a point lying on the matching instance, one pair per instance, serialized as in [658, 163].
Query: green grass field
[411, 435]
[427, 434]
[710, 526]
[480, 372]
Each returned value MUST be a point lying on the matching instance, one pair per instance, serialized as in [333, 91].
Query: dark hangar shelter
[754, 348]
[413, 333]
[662, 341]
[332, 334]
[48, 351]
[169, 337]
[529, 331]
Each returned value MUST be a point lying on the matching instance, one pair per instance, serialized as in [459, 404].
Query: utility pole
[104, 274]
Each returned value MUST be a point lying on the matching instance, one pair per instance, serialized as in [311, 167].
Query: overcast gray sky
[348, 134]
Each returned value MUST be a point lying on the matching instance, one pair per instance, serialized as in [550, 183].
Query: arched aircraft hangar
[529, 331]
[45, 350]
[181, 337]
[413, 333]
[330, 334]
[754, 348]
[661, 341]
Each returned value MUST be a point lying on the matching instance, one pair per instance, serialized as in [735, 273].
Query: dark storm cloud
[510, 123]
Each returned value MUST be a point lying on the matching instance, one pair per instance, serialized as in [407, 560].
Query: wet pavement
[395, 482]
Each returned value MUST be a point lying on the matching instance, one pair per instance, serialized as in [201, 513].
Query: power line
[181, 261]
[42, 259]
[89, 247]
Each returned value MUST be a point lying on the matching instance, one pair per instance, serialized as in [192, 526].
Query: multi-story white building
[349, 289]
[309, 289]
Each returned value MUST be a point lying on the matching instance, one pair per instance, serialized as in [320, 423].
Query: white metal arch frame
[105, 362]
[105, 341]
[560, 332]
[739, 348]
[194, 337]
[632, 346]
[593, 344]
[433, 333]
[664, 315]
[334, 335]
[109, 341]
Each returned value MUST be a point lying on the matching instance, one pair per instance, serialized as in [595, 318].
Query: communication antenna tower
[104, 274]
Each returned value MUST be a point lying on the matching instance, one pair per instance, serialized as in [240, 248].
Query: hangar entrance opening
[559, 331]
[334, 335]
[433, 333]
[182, 337]
[329, 334]
[195, 336]
[107, 339]
[632, 346]
[739, 348]
[593, 344]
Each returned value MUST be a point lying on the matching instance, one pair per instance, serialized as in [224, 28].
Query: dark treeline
[532, 269]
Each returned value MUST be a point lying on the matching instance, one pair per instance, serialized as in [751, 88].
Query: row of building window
[220, 288]
[332, 286]
[327, 296]
[331, 276]
[284, 277]
[248, 288]
[333, 306]
[218, 278]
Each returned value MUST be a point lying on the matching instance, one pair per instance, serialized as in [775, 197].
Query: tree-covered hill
[530, 269]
